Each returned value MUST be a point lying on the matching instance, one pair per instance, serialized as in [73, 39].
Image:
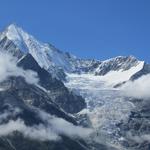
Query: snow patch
[114, 77]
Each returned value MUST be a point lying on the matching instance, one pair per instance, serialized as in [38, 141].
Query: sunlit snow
[115, 77]
[46, 55]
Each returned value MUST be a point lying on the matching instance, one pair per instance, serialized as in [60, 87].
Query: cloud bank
[51, 130]
[8, 67]
[37, 132]
[139, 88]
[138, 138]
[61, 126]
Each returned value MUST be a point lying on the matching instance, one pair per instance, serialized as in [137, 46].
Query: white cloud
[37, 132]
[50, 130]
[138, 88]
[8, 113]
[138, 138]
[61, 126]
[9, 68]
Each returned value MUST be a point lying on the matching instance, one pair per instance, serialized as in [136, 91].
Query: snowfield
[115, 77]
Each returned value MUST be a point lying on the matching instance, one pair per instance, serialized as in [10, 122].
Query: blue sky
[87, 28]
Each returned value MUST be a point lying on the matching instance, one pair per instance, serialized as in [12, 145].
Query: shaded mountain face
[136, 129]
[21, 143]
[30, 95]
[70, 102]
[27, 100]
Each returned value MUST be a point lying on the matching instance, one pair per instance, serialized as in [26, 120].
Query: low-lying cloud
[8, 113]
[37, 132]
[8, 67]
[139, 88]
[53, 127]
[50, 130]
[61, 126]
[138, 138]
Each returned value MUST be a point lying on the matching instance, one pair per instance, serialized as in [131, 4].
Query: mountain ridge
[57, 62]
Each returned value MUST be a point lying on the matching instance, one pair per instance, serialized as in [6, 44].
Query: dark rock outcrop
[144, 71]
[57, 91]
[29, 99]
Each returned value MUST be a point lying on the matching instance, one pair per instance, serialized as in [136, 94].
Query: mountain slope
[29, 100]
[46, 55]
[28, 112]
[70, 102]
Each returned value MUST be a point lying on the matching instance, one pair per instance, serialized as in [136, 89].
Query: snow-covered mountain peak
[121, 59]
[17, 36]
[45, 54]
[12, 31]
[18, 42]
[122, 63]
[119, 69]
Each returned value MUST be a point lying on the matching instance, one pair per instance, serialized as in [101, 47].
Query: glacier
[106, 106]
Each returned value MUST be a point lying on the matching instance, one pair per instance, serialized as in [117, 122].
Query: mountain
[120, 69]
[71, 97]
[28, 109]
[18, 42]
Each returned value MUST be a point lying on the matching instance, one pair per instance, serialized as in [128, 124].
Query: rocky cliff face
[27, 100]
[18, 42]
